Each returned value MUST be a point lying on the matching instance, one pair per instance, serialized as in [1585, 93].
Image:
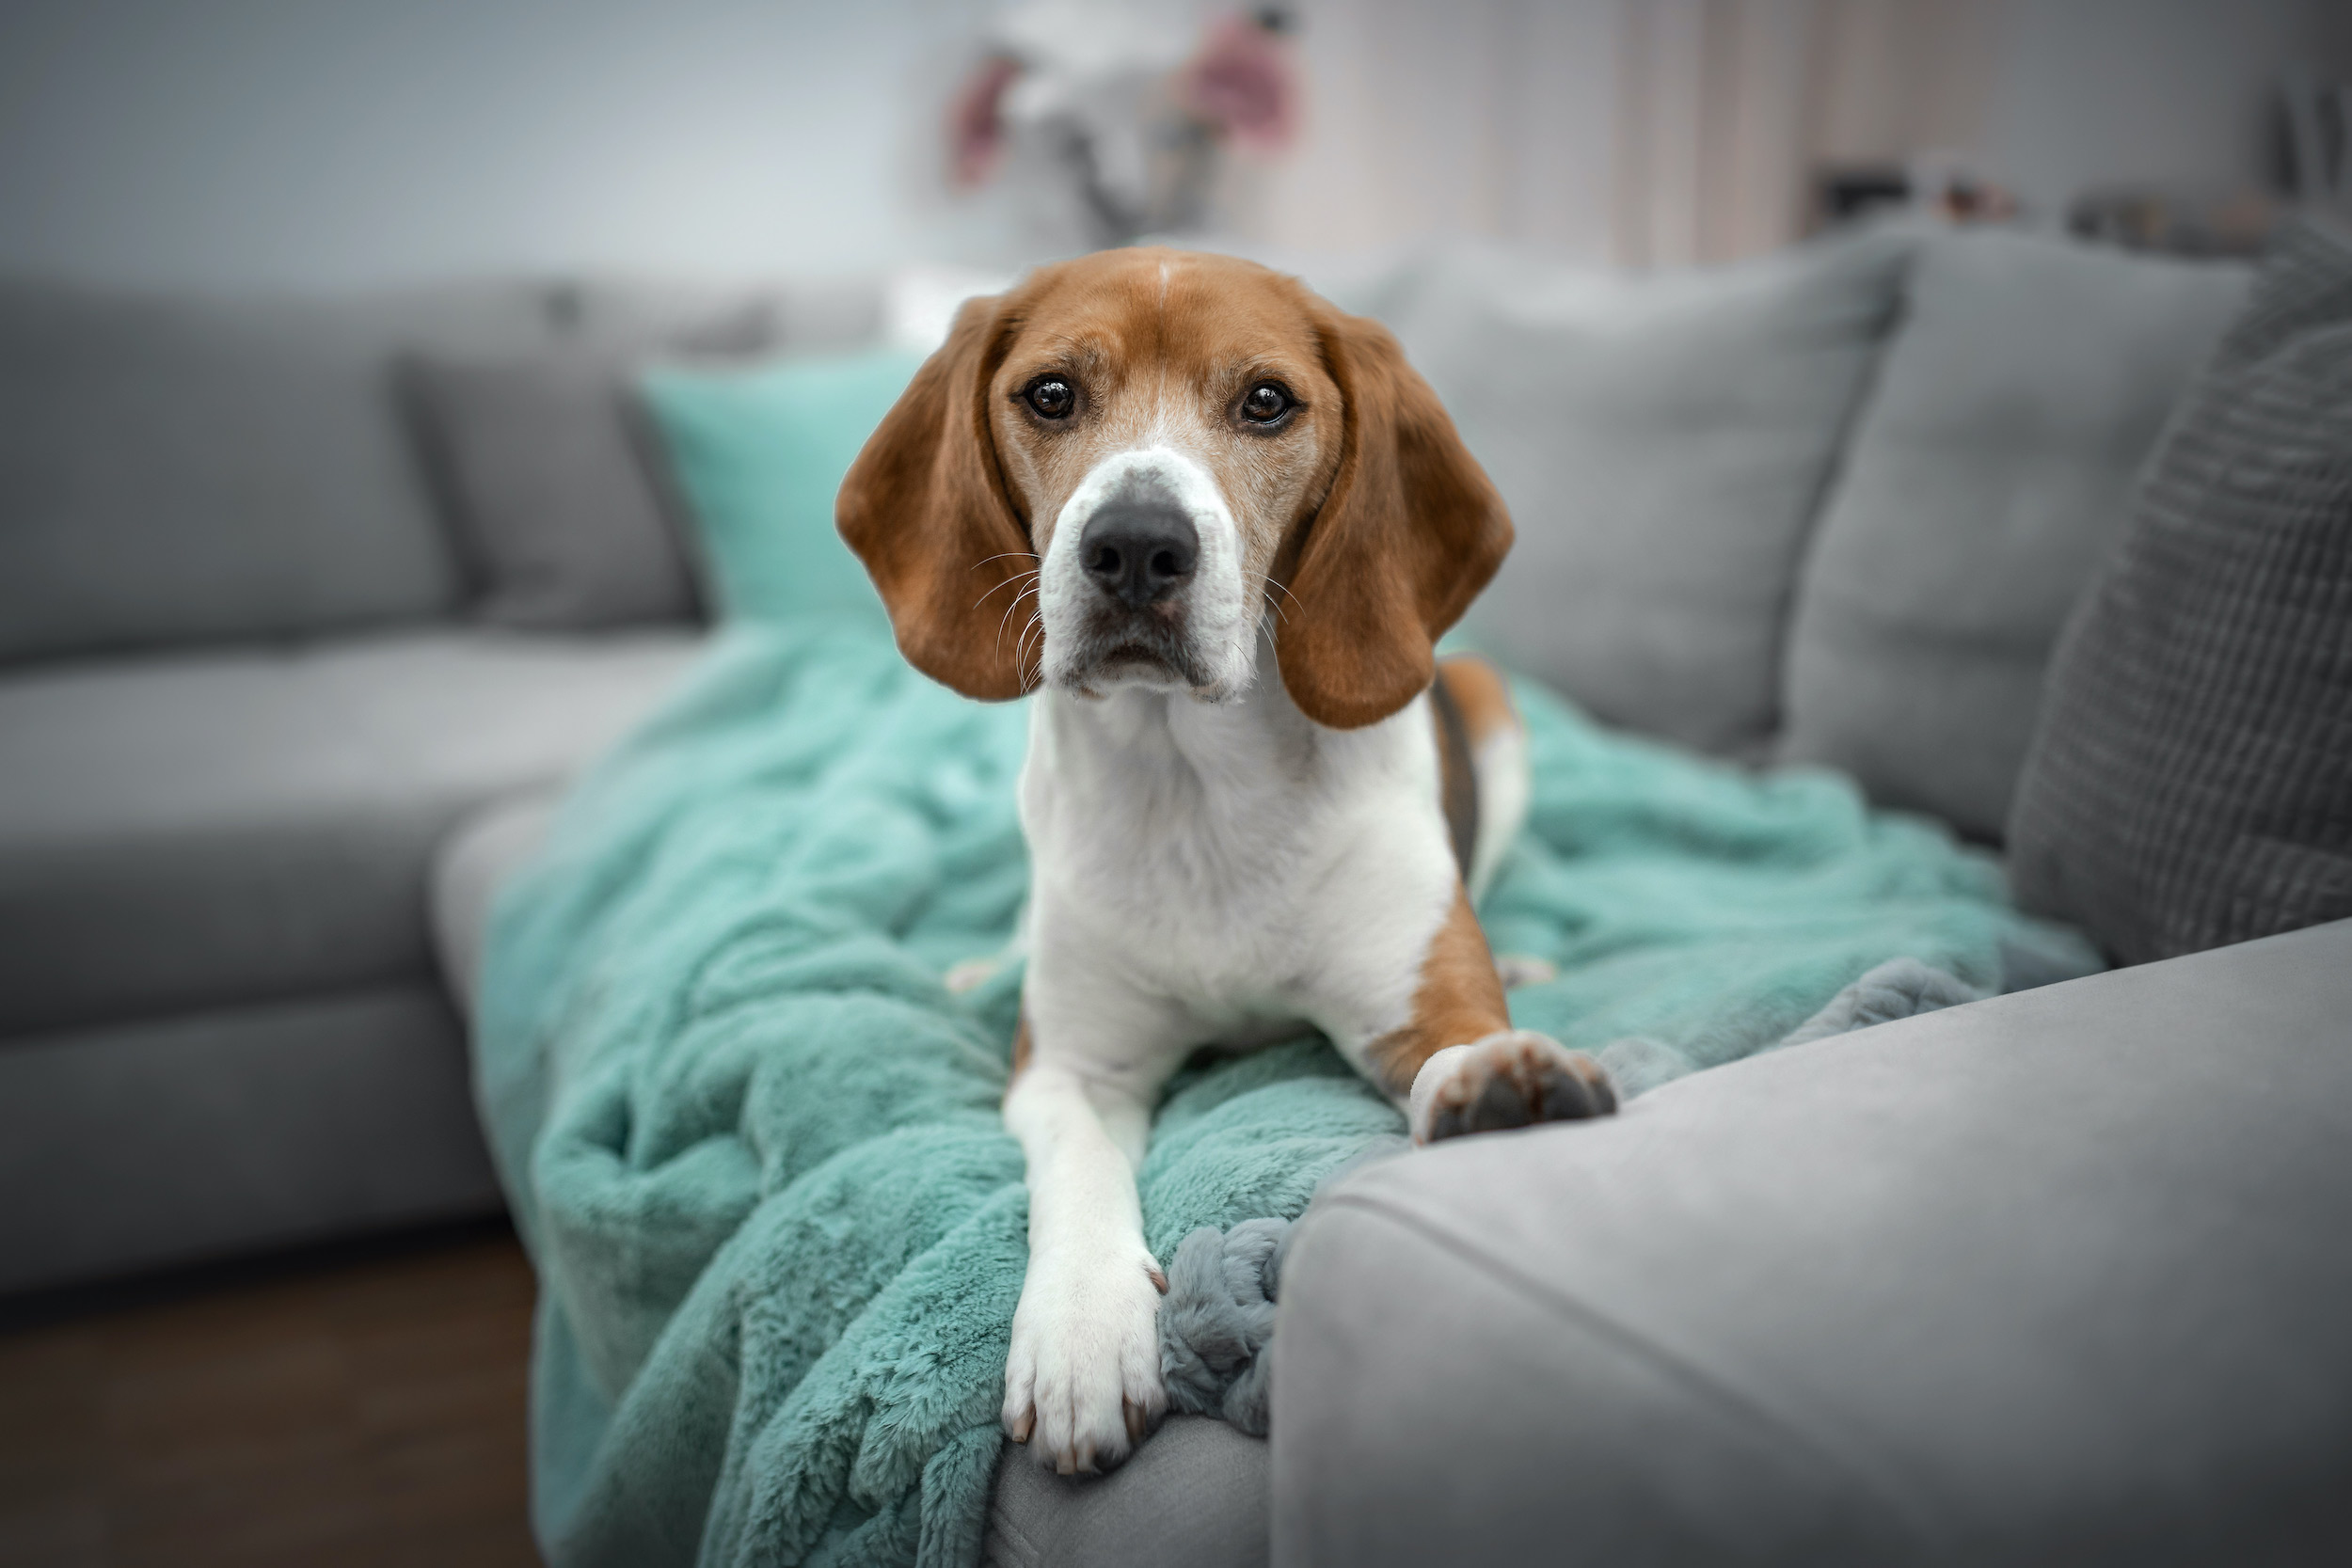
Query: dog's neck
[1250, 741]
[1227, 759]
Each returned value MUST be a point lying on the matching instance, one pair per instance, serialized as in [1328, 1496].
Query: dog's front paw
[1081, 1386]
[1513, 1079]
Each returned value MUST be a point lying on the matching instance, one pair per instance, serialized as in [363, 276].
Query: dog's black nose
[1140, 551]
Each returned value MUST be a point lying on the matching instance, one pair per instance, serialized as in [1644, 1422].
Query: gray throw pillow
[542, 477]
[1987, 474]
[1663, 444]
[2190, 782]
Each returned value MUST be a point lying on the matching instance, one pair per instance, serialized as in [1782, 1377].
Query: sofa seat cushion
[238, 827]
[174, 1141]
[1194, 1496]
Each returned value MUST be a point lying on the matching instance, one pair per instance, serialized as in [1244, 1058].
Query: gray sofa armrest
[2062, 1277]
[471, 866]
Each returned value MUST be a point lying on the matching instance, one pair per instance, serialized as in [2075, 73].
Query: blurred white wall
[1483, 116]
[1660, 132]
[2173, 93]
[333, 142]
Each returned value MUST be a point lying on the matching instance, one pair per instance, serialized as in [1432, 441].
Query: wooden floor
[359, 1407]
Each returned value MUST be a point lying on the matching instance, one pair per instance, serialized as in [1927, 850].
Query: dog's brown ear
[923, 506]
[1409, 533]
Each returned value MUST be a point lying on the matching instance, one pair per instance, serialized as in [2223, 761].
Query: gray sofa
[244, 697]
[2054, 1277]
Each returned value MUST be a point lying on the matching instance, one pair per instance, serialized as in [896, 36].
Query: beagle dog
[1216, 526]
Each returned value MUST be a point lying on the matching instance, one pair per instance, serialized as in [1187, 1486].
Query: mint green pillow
[757, 454]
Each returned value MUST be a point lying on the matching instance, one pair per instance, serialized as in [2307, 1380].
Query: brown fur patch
[1411, 530]
[1480, 694]
[1457, 775]
[1020, 1050]
[1459, 1000]
[923, 506]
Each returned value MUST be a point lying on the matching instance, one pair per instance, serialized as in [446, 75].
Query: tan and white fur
[1216, 526]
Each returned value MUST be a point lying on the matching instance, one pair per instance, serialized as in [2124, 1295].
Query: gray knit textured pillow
[2191, 779]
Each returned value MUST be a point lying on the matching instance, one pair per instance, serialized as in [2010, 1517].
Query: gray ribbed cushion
[1663, 445]
[1988, 472]
[2191, 782]
[208, 831]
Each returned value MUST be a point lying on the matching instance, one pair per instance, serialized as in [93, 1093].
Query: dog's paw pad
[1514, 1079]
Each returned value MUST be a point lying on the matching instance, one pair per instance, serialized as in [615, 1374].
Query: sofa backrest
[1663, 444]
[1990, 469]
[1811, 509]
[176, 469]
[188, 469]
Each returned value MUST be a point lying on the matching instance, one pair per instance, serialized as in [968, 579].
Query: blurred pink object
[975, 123]
[1242, 82]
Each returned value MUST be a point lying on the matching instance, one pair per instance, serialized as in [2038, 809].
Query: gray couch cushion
[208, 831]
[1194, 1496]
[147, 1145]
[1991, 468]
[555, 506]
[2191, 781]
[1663, 445]
[2057, 1277]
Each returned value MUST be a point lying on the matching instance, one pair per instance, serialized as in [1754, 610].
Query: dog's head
[1111, 475]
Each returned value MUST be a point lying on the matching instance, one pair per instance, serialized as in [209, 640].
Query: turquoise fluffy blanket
[752, 1141]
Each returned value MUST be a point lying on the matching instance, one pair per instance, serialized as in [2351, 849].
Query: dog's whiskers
[1031, 678]
[1001, 619]
[1017, 577]
[1006, 619]
[1267, 581]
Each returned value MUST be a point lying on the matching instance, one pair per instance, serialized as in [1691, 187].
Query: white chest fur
[1220, 873]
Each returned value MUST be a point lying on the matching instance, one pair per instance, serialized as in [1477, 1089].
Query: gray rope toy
[1217, 1326]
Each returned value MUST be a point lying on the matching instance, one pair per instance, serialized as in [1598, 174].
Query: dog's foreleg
[1082, 1385]
[1458, 1066]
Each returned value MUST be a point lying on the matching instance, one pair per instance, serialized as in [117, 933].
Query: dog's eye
[1265, 403]
[1052, 397]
